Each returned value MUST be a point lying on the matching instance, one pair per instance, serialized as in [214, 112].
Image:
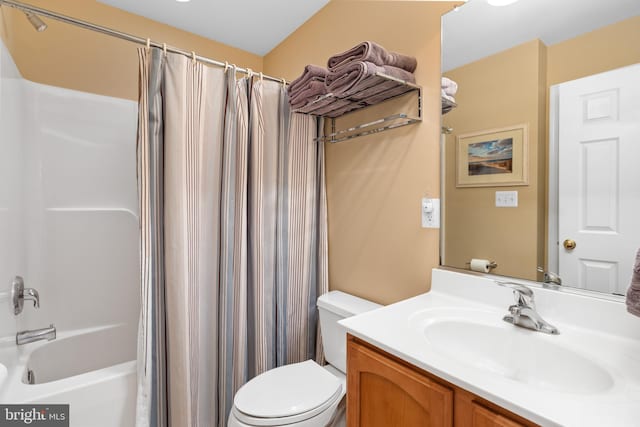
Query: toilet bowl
[303, 394]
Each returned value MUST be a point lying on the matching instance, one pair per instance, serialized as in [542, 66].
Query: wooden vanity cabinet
[384, 391]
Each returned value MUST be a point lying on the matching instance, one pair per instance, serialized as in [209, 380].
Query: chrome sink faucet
[25, 337]
[523, 313]
[549, 277]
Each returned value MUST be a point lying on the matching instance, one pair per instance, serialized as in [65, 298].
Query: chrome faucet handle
[549, 278]
[31, 294]
[19, 294]
[522, 294]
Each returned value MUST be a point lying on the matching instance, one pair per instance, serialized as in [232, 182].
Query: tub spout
[26, 337]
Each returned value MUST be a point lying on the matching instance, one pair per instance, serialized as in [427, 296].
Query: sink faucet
[25, 337]
[523, 313]
[549, 277]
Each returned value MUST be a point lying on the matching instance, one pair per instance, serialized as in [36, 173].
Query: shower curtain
[233, 237]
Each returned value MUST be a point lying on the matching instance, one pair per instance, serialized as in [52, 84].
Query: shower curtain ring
[164, 48]
[148, 43]
[249, 72]
[226, 66]
[193, 57]
[284, 82]
[261, 77]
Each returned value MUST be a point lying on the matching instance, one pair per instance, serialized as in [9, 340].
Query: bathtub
[93, 370]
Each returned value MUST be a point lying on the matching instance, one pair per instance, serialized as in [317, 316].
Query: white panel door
[599, 179]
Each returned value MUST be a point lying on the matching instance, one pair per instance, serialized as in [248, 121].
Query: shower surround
[69, 226]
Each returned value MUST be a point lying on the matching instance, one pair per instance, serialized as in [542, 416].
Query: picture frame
[493, 158]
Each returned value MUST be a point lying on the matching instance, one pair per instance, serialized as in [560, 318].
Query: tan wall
[73, 58]
[377, 249]
[495, 92]
[607, 48]
[4, 34]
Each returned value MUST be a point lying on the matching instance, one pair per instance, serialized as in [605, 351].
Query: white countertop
[599, 330]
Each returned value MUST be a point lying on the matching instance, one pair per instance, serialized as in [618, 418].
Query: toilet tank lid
[344, 304]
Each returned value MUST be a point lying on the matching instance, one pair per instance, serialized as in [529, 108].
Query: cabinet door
[386, 393]
[485, 417]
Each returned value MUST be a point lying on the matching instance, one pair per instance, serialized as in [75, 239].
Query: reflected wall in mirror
[532, 62]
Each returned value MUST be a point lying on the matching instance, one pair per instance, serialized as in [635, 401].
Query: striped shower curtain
[233, 237]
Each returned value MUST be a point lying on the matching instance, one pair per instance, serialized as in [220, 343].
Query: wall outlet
[430, 213]
[506, 199]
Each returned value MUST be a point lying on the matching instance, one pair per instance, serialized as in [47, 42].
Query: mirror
[546, 125]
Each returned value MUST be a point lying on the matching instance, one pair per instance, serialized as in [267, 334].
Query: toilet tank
[333, 307]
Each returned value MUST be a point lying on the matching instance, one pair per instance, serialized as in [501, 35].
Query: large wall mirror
[541, 155]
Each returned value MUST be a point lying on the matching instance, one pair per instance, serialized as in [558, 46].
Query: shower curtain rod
[124, 36]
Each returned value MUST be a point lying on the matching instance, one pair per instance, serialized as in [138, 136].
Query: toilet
[303, 394]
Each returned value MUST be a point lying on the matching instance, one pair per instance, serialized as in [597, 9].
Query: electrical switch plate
[430, 213]
[506, 199]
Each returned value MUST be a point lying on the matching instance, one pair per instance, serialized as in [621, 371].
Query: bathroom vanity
[385, 390]
[448, 357]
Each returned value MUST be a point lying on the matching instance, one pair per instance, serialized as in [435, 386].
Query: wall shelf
[447, 105]
[397, 87]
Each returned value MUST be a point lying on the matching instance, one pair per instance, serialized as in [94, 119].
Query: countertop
[597, 329]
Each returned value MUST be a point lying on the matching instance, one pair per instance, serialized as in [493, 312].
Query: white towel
[449, 86]
[447, 96]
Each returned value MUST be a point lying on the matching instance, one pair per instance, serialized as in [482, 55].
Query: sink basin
[481, 340]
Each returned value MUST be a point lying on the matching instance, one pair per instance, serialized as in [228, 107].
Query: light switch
[506, 199]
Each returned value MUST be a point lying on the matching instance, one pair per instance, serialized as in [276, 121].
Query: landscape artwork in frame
[496, 157]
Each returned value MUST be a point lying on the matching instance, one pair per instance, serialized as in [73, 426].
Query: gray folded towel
[373, 52]
[323, 106]
[358, 76]
[310, 71]
[307, 93]
[633, 293]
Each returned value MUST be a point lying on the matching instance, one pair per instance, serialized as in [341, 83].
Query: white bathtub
[92, 370]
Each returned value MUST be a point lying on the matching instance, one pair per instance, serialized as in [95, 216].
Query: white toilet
[303, 394]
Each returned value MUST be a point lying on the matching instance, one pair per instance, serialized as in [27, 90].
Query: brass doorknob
[569, 244]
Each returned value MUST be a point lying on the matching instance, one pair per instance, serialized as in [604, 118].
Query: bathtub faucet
[25, 337]
[20, 294]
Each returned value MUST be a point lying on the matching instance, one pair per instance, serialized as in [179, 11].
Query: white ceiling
[256, 26]
[478, 30]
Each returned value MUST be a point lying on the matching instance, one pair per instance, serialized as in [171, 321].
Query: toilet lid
[288, 391]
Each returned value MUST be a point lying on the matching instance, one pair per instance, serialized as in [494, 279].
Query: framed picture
[493, 158]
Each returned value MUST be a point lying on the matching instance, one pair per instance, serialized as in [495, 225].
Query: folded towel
[444, 95]
[633, 293]
[449, 86]
[358, 76]
[305, 94]
[310, 71]
[373, 52]
[322, 107]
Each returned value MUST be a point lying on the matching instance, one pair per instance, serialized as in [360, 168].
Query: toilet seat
[286, 395]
